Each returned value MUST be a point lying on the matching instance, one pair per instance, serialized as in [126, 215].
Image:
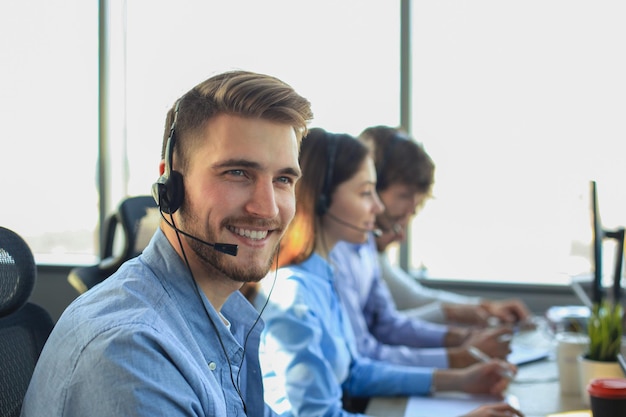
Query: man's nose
[262, 202]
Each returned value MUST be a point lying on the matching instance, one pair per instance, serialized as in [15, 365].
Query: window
[341, 56]
[49, 84]
[346, 63]
[520, 104]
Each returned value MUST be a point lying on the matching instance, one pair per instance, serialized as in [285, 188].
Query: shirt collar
[174, 276]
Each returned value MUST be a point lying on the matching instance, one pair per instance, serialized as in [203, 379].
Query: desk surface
[536, 385]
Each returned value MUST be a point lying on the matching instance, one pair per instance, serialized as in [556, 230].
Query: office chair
[24, 326]
[126, 234]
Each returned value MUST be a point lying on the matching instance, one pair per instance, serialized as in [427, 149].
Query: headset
[323, 201]
[169, 190]
[169, 193]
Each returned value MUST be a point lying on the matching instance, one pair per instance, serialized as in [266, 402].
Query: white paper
[451, 404]
[521, 355]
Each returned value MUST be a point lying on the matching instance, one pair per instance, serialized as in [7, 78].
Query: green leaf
[605, 331]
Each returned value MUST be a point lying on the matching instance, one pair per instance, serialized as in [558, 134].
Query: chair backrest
[139, 217]
[126, 234]
[24, 326]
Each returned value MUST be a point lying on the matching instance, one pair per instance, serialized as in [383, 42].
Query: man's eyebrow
[292, 172]
[245, 163]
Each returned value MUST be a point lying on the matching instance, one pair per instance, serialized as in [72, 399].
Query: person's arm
[416, 300]
[139, 372]
[393, 337]
[493, 341]
[508, 311]
[302, 359]
[491, 377]
[308, 358]
[380, 331]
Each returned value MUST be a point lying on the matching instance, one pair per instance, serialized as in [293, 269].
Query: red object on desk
[608, 388]
[608, 397]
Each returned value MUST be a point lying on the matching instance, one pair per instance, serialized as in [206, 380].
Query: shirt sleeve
[370, 378]
[139, 372]
[302, 364]
[381, 332]
[415, 300]
[394, 337]
[308, 358]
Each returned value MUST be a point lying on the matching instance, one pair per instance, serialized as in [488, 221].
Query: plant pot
[589, 369]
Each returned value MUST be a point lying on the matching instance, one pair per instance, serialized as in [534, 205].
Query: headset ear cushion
[322, 206]
[158, 189]
[172, 193]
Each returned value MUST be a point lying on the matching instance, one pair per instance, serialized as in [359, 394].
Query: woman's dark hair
[326, 160]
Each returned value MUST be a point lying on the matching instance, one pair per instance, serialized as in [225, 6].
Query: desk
[536, 385]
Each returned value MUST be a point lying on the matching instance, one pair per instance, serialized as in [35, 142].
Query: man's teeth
[251, 234]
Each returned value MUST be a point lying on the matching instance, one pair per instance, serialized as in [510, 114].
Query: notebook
[451, 404]
[521, 355]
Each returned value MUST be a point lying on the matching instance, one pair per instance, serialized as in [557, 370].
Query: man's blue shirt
[146, 342]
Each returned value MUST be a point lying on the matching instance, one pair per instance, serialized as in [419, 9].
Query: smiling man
[169, 333]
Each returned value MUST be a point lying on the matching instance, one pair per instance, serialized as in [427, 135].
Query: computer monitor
[599, 234]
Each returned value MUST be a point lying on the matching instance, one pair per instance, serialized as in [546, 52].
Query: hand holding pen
[492, 377]
[495, 342]
[481, 356]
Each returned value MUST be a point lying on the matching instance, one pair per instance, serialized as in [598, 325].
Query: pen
[507, 337]
[482, 356]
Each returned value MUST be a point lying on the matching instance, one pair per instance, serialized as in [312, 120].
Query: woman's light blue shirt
[308, 353]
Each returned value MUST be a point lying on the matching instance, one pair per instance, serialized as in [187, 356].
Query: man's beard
[221, 262]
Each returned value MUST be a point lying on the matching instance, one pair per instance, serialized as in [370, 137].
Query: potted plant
[604, 329]
[605, 332]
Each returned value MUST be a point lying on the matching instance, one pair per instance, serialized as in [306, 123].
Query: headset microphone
[324, 200]
[169, 190]
[375, 232]
[226, 248]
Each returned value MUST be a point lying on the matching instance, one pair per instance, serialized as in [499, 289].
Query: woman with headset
[308, 354]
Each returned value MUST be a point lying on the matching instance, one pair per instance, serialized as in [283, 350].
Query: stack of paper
[451, 404]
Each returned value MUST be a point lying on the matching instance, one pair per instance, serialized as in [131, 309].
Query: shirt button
[212, 366]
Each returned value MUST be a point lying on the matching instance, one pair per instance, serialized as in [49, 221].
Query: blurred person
[381, 331]
[169, 333]
[405, 180]
[309, 358]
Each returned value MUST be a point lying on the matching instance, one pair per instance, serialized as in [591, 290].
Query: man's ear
[162, 167]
